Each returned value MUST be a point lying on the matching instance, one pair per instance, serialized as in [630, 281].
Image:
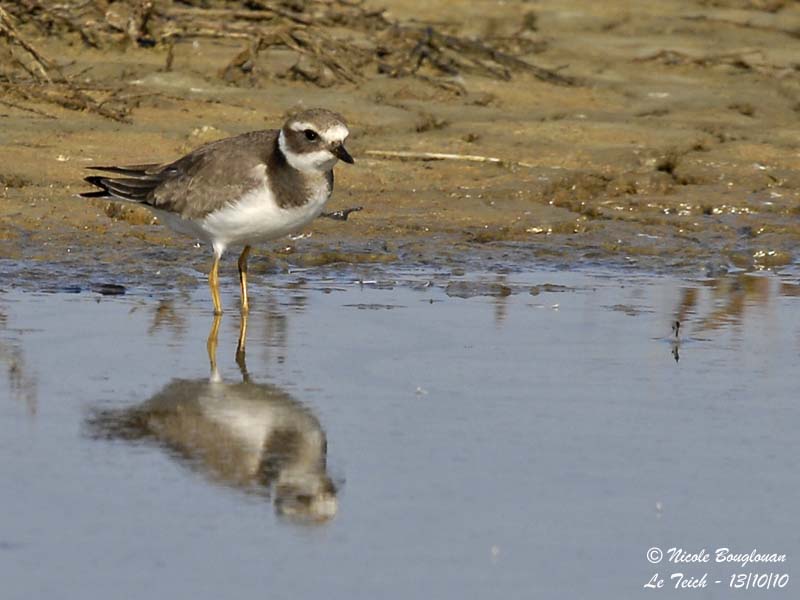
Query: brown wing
[197, 184]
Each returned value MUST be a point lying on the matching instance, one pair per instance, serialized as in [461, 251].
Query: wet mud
[671, 144]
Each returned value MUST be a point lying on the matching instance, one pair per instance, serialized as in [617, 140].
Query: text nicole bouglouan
[682, 569]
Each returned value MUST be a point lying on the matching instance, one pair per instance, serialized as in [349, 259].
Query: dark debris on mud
[336, 42]
[28, 76]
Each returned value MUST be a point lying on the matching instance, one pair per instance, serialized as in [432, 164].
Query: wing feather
[197, 184]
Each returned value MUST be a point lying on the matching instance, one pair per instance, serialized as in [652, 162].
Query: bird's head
[313, 140]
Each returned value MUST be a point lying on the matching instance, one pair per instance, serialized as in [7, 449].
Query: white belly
[255, 218]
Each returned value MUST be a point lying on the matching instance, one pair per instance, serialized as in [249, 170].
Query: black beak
[341, 153]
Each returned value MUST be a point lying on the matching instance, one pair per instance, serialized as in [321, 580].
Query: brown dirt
[679, 149]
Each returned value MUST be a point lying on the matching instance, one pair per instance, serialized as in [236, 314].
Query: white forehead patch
[302, 126]
[337, 133]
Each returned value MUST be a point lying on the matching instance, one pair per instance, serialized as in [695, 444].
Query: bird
[241, 190]
[255, 437]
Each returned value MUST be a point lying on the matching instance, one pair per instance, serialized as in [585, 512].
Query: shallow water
[541, 437]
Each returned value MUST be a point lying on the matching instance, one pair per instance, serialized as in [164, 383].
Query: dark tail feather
[97, 182]
[95, 194]
[126, 188]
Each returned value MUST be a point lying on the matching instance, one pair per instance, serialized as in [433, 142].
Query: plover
[252, 436]
[241, 190]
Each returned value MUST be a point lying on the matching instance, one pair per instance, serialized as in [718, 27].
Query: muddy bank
[675, 146]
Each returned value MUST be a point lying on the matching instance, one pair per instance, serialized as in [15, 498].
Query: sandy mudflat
[677, 148]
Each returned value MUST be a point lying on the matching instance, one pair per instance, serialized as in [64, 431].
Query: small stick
[748, 24]
[264, 12]
[35, 111]
[214, 33]
[7, 28]
[403, 155]
[226, 14]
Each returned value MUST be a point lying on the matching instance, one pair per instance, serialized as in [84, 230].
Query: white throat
[318, 161]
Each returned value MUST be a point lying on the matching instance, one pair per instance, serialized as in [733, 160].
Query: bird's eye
[311, 135]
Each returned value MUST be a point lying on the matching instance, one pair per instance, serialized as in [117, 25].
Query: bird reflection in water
[21, 380]
[722, 303]
[250, 436]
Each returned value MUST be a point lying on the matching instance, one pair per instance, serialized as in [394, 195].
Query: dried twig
[399, 50]
[483, 58]
[740, 60]
[50, 84]
[336, 41]
[29, 109]
[428, 156]
[71, 98]
[281, 12]
[263, 13]
[745, 23]
[8, 30]
[72, 16]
